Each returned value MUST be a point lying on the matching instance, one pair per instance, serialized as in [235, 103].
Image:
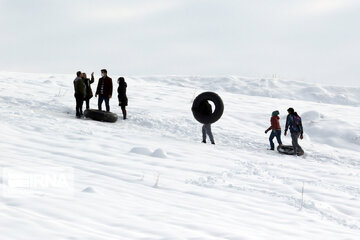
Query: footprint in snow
[88, 190]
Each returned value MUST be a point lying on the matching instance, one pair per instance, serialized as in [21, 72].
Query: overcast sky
[311, 40]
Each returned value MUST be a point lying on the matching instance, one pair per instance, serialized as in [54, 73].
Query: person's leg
[77, 106]
[100, 101]
[106, 98]
[272, 135]
[278, 136]
[87, 103]
[123, 109]
[294, 138]
[298, 147]
[81, 103]
[204, 133]
[209, 133]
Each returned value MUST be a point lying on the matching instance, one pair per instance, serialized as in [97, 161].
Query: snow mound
[311, 116]
[333, 132]
[141, 150]
[88, 190]
[159, 153]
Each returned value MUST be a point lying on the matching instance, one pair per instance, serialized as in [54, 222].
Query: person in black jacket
[206, 109]
[88, 91]
[123, 100]
[79, 87]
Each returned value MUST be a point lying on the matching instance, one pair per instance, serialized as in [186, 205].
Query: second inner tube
[204, 115]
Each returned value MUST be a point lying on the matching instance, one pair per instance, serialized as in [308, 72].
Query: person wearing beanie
[275, 129]
[123, 100]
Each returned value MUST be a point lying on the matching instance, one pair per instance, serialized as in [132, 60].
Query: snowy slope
[150, 177]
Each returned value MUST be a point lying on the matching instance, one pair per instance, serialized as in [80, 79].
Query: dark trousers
[206, 129]
[87, 101]
[100, 101]
[296, 146]
[277, 134]
[123, 109]
[79, 104]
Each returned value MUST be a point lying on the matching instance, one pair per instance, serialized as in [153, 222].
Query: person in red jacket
[276, 129]
[104, 90]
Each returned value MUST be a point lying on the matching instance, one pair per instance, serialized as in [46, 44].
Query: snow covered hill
[149, 177]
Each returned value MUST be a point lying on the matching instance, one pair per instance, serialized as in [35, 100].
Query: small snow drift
[101, 115]
[158, 153]
[288, 150]
[141, 151]
[88, 190]
[201, 114]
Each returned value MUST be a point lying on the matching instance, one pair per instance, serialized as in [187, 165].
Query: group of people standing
[293, 122]
[104, 91]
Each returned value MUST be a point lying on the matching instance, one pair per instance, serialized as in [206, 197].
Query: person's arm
[74, 86]
[111, 87]
[287, 124]
[98, 88]
[92, 78]
[271, 126]
[268, 129]
[301, 129]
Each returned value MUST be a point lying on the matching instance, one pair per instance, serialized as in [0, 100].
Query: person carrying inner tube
[206, 109]
[123, 100]
[79, 87]
[275, 129]
[88, 91]
[104, 90]
[293, 121]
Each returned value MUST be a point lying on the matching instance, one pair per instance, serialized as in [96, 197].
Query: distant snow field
[149, 177]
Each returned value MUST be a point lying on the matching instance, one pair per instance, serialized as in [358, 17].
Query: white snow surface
[149, 177]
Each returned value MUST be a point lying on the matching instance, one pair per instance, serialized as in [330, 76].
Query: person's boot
[203, 141]
[213, 143]
[124, 114]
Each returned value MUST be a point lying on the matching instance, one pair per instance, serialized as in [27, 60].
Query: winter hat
[291, 110]
[275, 113]
[121, 80]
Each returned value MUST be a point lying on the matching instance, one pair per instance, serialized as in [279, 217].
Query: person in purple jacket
[294, 123]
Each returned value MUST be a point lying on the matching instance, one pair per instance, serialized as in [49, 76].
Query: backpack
[295, 123]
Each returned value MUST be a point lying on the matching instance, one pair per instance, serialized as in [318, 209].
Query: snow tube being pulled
[207, 118]
[288, 150]
[100, 115]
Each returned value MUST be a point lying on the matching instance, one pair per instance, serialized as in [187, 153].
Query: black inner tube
[201, 111]
[100, 115]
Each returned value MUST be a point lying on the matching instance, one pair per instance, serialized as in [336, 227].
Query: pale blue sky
[311, 40]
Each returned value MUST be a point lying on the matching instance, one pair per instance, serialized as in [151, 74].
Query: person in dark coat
[79, 88]
[88, 91]
[294, 123]
[206, 109]
[104, 90]
[123, 100]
